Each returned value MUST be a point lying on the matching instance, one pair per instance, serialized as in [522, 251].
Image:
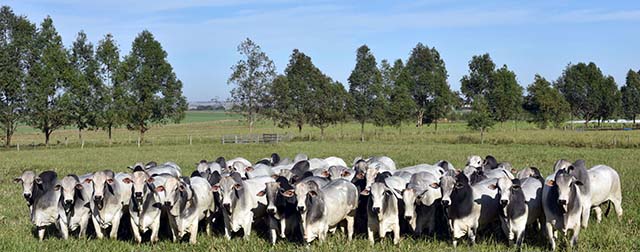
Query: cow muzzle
[98, 200]
[408, 217]
[168, 204]
[227, 207]
[375, 210]
[27, 196]
[271, 211]
[563, 205]
[301, 209]
[446, 203]
[504, 203]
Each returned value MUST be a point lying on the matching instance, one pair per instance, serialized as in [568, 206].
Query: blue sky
[201, 36]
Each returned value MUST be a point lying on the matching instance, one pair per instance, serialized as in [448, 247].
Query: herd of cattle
[313, 197]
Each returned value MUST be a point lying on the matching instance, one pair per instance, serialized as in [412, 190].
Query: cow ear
[215, 188]
[551, 182]
[88, 180]
[38, 180]
[57, 187]
[274, 176]
[181, 188]
[237, 186]
[150, 180]
[127, 180]
[365, 192]
[79, 186]
[492, 186]
[249, 169]
[458, 171]
[159, 188]
[578, 182]
[326, 174]
[513, 170]
[360, 175]
[435, 185]
[346, 174]
[313, 193]
[17, 180]
[110, 181]
[261, 193]
[288, 193]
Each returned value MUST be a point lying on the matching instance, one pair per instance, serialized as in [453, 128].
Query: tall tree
[401, 105]
[153, 92]
[301, 73]
[16, 41]
[580, 85]
[427, 77]
[505, 95]
[82, 95]
[108, 57]
[480, 117]
[252, 76]
[365, 84]
[545, 103]
[49, 73]
[631, 96]
[478, 81]
[325, 103]
[281, 111]
[609, 99]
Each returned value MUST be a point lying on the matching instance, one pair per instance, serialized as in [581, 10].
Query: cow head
[306, 192]
[489, 163]
[71, 189]
[378, 194]
[474, 161]
[27, 179]
[229, 188]
[103, 182]
[565, 183]
[141, 183]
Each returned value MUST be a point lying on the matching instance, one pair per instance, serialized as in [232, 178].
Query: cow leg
[83, 226]
[41, 232]
[396, 233]
[63, 228]
[115, 224]
[550, 235]
[598, 211]
[351, 219]
[574, 237]
[135, 230]
[617, 203]
[370, 232]
[283, 227]
[155, 229]
[209, 225]
[472, 235]
[247, 226]
[98, 228]
[193, 232]
[273, 228]
[586, 211]
[519, 239]
[227, 226]
[174, 229]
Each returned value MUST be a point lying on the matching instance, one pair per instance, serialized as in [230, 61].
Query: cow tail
[606, 214]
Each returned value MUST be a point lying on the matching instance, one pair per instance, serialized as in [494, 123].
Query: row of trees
[385, 95]
[391, 94]
[48, 86]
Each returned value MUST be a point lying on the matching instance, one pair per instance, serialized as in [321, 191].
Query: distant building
[213, 104]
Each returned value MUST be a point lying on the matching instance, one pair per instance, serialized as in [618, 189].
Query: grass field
[526, 147]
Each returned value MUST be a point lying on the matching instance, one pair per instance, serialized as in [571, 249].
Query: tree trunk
[361, 131]
[9, 133]
[80, 134]
[250, 123]
[420, 116]
[109, 130]
[436, 125]
[482, 136]
[321, 134]
[142, 130]
[299, 128]
[47, 135]
[634, 120]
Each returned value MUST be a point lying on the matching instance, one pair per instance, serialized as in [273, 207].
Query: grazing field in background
[408, 146]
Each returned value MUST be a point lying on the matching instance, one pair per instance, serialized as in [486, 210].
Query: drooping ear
[110, 181]
[57, 187]
[458, 171]
[571, 168]
[261, 193]
[159, 188]
[514, 170]
[150, 180]
[346, 174]
[578, 182]
[237, 186]
[492, 186]
[127, 180]
[182, 188]
[360, 175]
[551, 182]
[79, 186]
[435, 185]
[249, 169]
[215, 188]
[17, 180]
[274, 176]
[288, 193]
[88, 180]
[365, 192]
[325, 174]
[313, 193]
[38, 180]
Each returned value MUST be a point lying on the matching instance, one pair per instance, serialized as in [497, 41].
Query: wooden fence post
[190, 140]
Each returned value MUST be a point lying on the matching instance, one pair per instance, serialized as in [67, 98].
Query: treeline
[48, 86]
[416, 89]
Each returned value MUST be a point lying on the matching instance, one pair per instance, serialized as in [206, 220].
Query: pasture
[408, 146]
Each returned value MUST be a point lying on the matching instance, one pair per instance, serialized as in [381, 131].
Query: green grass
[412, 147]
[207, 116]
